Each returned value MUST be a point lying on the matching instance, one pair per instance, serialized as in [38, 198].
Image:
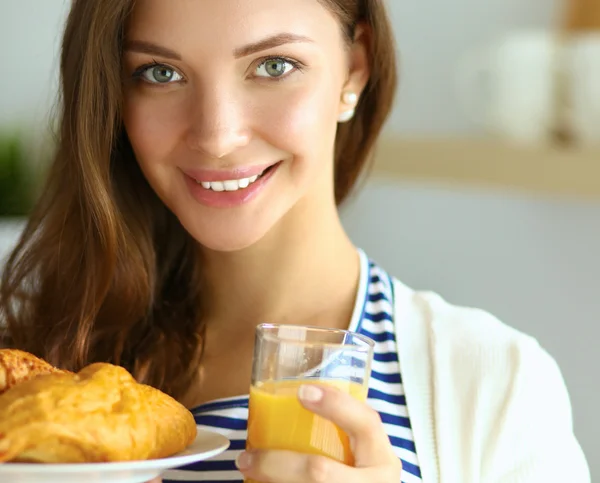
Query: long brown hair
[103, 271]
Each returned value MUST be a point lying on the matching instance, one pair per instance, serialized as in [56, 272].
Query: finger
[368, 439]
[288, 467]
[155, 480]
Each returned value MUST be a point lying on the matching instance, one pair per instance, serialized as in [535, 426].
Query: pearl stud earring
[349, 98]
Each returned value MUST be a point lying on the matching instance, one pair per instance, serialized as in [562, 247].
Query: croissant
[17, 366]
[100, 414]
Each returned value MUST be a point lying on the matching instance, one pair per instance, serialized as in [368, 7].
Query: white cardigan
[487, 404]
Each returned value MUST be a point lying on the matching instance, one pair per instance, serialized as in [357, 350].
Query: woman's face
[231, 107]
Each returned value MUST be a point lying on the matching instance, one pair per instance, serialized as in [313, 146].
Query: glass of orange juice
[285, 357]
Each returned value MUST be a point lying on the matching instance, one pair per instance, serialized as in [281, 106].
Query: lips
[229, 188]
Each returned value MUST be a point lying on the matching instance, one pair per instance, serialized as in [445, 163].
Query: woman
[204, 148]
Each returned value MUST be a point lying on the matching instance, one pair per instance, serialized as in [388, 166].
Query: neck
[305, 271]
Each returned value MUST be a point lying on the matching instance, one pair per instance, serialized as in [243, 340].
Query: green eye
[158, 74]
[276, 67]
[162, 74]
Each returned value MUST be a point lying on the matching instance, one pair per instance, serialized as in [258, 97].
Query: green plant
[17, 183]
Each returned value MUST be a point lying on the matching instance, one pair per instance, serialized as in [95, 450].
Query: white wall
[532, 261]
[29, 47]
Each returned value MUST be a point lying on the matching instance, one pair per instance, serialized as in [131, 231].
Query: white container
[510, 86]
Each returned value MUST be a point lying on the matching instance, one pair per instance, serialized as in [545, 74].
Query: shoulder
[475, 346]
[493, 383]
[479, 351]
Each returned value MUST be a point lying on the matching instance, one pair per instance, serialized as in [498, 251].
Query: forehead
[227, 23]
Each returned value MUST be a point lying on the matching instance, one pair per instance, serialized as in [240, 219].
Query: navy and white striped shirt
[373, 317]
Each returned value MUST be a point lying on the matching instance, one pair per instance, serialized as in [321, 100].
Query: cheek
[153, 134]
[302, 119]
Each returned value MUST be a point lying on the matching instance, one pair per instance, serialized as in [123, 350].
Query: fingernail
[311, 394]
[244, 460]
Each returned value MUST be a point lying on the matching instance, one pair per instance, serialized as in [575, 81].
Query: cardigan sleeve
[532, 439]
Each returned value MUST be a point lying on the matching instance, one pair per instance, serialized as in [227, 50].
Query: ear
[359, 69]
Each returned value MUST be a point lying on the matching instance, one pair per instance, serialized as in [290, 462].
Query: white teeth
[217, 186]
[229, 185]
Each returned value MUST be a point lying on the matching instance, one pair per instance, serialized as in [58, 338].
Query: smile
[234, 184]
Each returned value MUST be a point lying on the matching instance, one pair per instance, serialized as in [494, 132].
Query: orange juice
[277, 420]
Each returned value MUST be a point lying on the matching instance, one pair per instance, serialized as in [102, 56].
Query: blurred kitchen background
[486, 187]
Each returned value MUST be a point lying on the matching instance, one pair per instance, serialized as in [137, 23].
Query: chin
[226, 237]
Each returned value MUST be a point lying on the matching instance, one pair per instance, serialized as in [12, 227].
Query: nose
[218, 125]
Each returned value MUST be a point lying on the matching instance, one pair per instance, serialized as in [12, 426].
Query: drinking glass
[286, 357]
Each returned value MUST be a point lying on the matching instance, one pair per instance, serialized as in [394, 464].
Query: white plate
[206, 445]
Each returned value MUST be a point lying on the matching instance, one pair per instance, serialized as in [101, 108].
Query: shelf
[550, 170]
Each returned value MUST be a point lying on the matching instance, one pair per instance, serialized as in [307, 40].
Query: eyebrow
[270, 43]
[143, 47]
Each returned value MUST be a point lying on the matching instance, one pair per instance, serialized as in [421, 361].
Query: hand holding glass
[285, 358]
